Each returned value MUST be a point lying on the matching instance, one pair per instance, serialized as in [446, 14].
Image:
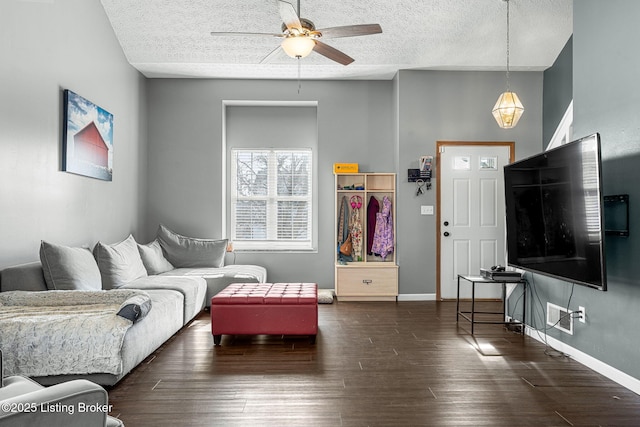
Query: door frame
[439, 146]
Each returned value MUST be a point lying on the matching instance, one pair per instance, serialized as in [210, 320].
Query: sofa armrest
[73, 403]
[23, 277]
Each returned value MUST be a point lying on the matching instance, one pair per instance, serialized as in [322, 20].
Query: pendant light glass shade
[508, 110]
[298, 46]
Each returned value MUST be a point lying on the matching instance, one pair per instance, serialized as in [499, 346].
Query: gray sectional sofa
[177, 275]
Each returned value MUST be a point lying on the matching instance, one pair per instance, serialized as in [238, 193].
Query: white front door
[472, 230]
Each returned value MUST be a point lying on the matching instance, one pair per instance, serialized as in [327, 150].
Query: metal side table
[470, 316]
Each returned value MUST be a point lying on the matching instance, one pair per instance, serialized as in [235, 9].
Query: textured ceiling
[171, 38]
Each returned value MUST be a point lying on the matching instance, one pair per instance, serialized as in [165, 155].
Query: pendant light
[508, 108]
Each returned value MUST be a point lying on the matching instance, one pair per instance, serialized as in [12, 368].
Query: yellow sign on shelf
[345, 168]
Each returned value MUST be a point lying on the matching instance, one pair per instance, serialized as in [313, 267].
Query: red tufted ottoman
[265, 308]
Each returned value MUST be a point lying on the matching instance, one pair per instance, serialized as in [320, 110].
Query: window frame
[271, 243]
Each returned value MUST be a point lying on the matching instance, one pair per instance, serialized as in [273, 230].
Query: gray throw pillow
[68, 268]
[153, 258]
[119, 263]
[187, 252]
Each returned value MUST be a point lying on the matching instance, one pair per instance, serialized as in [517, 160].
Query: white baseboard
[417, 297]
[591, 362]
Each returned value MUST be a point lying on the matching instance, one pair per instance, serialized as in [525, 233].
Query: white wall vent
[559, 318]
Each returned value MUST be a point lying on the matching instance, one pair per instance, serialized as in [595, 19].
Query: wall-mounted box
[345, 168]
[616, 215]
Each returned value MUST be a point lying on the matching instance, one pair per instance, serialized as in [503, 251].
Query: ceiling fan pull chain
[299, 83]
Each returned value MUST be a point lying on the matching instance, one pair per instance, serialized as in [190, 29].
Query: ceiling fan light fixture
[508, 110]
[298, 46]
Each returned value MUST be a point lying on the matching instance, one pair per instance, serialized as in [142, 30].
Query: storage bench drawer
[367, 281]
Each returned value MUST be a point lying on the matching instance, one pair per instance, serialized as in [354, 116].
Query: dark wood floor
[374, 364]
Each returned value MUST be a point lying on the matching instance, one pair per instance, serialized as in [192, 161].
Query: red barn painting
[87, 138]
[90, 147]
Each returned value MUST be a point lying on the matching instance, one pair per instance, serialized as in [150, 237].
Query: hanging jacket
[341, 221]
[343, 229]
[373, 207]
[356, 234]
[383, 236]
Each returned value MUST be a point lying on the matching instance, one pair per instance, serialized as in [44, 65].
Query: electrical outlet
[583, 315]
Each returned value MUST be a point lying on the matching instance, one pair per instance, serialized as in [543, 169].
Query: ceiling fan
[300, 36]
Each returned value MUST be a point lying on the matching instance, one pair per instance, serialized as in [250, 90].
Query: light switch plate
[426, 210]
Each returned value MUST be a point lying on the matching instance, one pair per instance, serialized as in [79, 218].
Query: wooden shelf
[368, 277]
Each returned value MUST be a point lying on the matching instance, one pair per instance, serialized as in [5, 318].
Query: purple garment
[383, 237]
[373, 207]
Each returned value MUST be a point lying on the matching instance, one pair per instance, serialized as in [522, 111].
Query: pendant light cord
[508, 87]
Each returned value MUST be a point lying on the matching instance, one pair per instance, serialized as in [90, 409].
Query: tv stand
[470, 316]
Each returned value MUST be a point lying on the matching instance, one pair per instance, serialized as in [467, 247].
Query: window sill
[277, 251]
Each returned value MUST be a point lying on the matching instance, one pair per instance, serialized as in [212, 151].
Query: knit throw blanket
[65, 332]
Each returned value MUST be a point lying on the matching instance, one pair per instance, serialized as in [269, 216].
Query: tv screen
[554, 213]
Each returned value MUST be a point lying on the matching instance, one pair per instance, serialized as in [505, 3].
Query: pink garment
[383, 237]
[356, 234]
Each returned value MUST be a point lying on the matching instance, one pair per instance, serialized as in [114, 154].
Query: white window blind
[271, 199]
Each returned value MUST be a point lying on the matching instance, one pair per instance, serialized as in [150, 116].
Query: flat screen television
[554, 213]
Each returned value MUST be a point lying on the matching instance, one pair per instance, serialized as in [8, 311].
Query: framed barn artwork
[87, 138]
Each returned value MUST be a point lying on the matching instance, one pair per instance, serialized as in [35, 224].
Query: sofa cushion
[184, 252]
[153, 258]
[219, 278]
[119, 263]
[67, 268]
[193, 290]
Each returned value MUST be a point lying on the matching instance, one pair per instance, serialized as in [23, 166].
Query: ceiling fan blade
[332, 53]
[275, 53]
[289, 15]
[228, 33]
[350, 31]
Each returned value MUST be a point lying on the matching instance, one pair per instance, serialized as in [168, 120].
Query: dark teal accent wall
[606, 99]
[557, 92]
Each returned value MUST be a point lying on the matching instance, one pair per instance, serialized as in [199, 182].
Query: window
[271, 199]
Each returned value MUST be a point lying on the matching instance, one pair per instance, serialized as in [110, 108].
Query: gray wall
[450, 106]
[384, 126]
[47, 47]
[355, 124]
[558, 91]
[607, 100]
[272, 126]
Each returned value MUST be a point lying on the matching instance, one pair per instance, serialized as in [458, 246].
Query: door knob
[446, 234]
[446, 223]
